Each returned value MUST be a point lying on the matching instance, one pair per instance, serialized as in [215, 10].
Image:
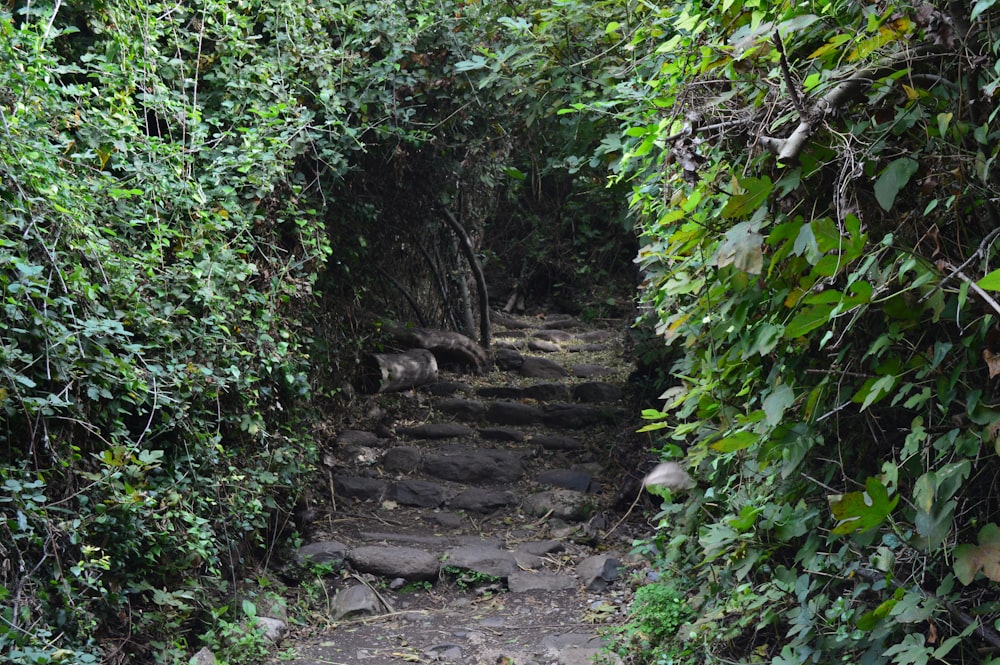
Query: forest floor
[481, 519]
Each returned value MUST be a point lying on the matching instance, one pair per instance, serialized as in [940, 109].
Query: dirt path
[471, 520]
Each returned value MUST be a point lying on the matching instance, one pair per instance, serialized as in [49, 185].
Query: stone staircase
[468, 521]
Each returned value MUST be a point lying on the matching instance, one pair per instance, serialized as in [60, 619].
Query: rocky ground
[471, 521]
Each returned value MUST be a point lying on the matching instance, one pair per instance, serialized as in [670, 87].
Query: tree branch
[477, 271]
[789, 149]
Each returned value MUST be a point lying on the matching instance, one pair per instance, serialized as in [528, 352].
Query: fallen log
[388, 372]
[450, 348]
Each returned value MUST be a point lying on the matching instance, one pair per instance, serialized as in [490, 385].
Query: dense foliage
[816, 191]
[199, 202]
[200, 199]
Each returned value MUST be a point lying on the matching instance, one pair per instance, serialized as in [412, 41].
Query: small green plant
[650, 636]
[416, 587]
[470, 579]
[239, 640]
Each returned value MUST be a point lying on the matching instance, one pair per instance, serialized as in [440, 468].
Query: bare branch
[787, 73]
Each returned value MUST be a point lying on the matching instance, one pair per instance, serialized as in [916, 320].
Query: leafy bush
[818, 228]
[650, 635]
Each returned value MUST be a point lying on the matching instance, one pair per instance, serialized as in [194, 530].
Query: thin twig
[787, 73]
[980, 251]
[978, 290]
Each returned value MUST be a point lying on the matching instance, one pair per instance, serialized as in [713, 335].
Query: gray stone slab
[357, 487]
[390, 561]
[597, 571]
[420, 493]
[480, 559]
[476, 466]
[574, 416]
[463, 408]
[520, 582]
[324, 551]
[436, 431]
[357, 438]
[508, 359]
[514, 413]
[553, 335]
[597, 391]
[478, 500]
[589, 371]
[541, 368]
[557, 442]
[543, 346]
[562, 504]
[501, 434]
[402, 459]
[569, 479]
[547, 391]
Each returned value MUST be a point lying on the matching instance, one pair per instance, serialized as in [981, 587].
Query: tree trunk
[477, 271]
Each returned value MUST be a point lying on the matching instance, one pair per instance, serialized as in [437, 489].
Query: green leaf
[892, 179]
[775, 403]
[737, 441]
[980, 7]
[861, 511]
[991, 281]
[808, 320]
[754, 194]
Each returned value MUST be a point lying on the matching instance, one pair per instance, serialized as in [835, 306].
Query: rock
[519, 582]
[436, 431]
[447, 388]
[421, 493]
[561, 323]
[499, 392]
[204, 656]
[556, 442]
[579, 481]
[553, 335]
[541, 368]
[325, 551]
[573, 416]
[501, 434]
[390, 561]
[450, 653]
[513, 344]
[481, 559]
[547, 391]
[588, 348]
[401, 459]
[479, 500]
[597, 391]
[596, 336]
[273, 628]
[508, 359]
[541, 547]
[586, 371]
[358, 599]
[597, 571]
[463, 408]
[513, 413]
[356, 487]
[562, 503]
[363, 455]
[482, 465]
[447, 519]
[543, 346]
[357, 438]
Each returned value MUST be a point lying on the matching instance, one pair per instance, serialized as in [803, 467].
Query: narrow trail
[470, 520]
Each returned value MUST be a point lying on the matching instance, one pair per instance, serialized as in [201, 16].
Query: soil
[504, 541]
